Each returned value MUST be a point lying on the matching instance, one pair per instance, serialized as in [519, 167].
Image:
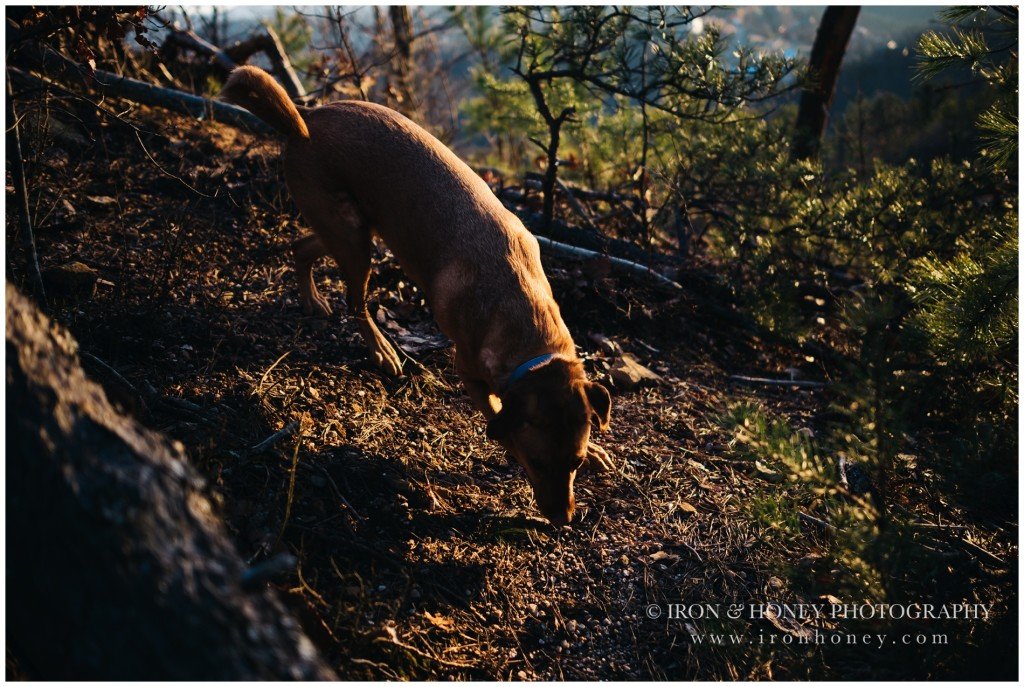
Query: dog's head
[545, 422]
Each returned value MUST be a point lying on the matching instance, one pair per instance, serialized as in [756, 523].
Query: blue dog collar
[528, 367]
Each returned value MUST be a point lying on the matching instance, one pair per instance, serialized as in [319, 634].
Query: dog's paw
[387, 360]
[316, 305]
[598, 460]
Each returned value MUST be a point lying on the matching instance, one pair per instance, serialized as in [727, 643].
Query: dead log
[282, 66]
[266, 41]
[582, 237]
[118, 567]
[186, 38]
[65, 70]
[269, 43]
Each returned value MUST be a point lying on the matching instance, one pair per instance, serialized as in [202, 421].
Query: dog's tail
[258, 92]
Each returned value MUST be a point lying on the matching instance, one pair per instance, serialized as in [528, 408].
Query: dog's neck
[517, 334]
[507, 373]
[526, 368]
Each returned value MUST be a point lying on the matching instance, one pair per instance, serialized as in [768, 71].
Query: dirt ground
[419, 552]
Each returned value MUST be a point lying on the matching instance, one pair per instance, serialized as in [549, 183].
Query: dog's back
[479, 267]
[414, 192]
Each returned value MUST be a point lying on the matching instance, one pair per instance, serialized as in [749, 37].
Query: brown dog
[355, 169]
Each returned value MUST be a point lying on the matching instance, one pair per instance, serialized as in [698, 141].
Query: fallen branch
[988, 556]
[816, 521]
[778, 382]
[126, 388]
[575, 204]
[267, 42]
[565, 250]
[582, 237]
[277, 436]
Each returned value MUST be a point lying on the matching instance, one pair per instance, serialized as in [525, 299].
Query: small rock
[684, 509]
[767, 474]
[72, 278]
[68, 210]
[627, 373]
[606, 345]
[102, 201]
[663, 556]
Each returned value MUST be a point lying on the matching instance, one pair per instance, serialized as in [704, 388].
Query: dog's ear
[502, 424]
[600, 404]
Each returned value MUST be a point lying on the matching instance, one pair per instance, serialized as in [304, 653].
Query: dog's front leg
[481, 398]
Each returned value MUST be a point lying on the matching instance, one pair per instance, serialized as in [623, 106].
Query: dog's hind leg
[354, 259]
[342, 231]
[306, 251]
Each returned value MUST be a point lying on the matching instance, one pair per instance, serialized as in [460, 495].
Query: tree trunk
[826, 57]
[118, 567]
[401, 60]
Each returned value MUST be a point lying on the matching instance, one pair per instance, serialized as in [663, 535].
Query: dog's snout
[559, 513]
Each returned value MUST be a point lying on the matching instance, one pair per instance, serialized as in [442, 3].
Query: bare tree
[645, 55]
